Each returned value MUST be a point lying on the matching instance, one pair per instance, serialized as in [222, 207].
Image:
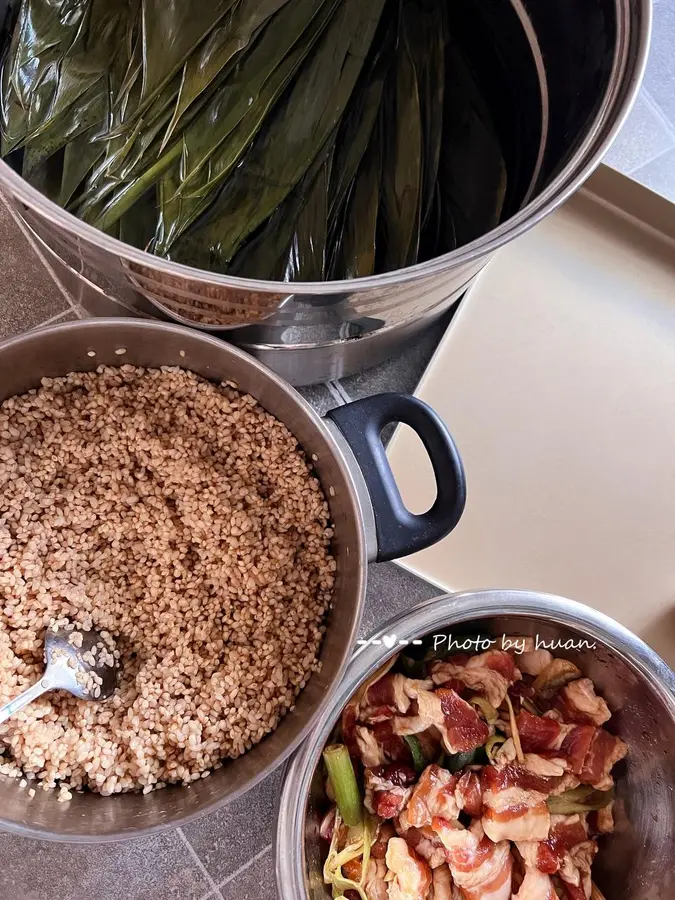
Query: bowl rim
[440, 612]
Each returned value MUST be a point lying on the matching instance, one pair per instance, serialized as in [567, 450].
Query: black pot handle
[399, 532]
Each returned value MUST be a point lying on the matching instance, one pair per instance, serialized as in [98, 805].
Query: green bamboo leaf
[172, 30]
[266, 254]
[235, 116]
[357, 125]
[286, 147]
[220, 49]
[80, 156]
[472, 174]
[356, 253]
[402, 164]
[426, 26]
[306, 258]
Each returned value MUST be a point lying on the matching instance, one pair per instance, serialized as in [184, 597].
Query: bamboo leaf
[220, 49]
[306, 258]
[472, 173]
[402, 164]
[266, 254]
[172, 30]
[286, 147]
[355, 256]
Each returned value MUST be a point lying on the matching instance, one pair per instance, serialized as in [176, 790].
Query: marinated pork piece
[374, 883]
[424, 841]
[577, 702]
[411, 875]
[480, 868]
[469, 795]
[576, 867]
[441, 887]
[549, 855]
[433, 795]
[459, 724]
[533, 662]
[536, 886]
[514, 803]
[489, 674]
[388, 789]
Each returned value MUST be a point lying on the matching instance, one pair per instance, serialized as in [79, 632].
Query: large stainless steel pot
[636, 862]
[369, 519]
[560, 76]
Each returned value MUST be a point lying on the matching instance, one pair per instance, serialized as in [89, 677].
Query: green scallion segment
[343, 781]
[413, 742]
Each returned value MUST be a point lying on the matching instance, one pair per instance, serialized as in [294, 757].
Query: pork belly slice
[388, 789]
[489, 674]
[460, 726]
[578, 703]
[536, 886]
[480, 868]
[514, 803]
[549, 855]
[433, 795]
[410, 874]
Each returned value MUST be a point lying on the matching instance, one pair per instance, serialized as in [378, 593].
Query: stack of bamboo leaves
[277, 139]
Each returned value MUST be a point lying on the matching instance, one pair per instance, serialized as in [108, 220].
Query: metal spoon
[68, 670]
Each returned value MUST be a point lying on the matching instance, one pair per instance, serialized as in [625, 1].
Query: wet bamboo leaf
[256, 82]
[240, 121]
[80, 156]
[472, 174]
[306, 260]
[137, 225]
[402, 164]
[172, 30]
[357, 125]
[266, 254]
[355, 257]
[425, 23]
[286, 147]
[220, 49]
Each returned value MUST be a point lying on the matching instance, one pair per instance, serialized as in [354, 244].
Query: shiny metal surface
[636, 862]
[60, 349]
[65, 663]
[576, 101]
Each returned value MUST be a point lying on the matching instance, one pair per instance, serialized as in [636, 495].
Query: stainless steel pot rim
[441, 612]
[568, 180]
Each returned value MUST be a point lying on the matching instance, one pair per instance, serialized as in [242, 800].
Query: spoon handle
[32, 693]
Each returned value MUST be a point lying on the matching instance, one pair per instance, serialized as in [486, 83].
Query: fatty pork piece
[424, 841]
[550, 855]
[460, 726]
[578, 703]
[590, 752]
[514, 803]
[536, 886]
[480, 868]
[489, 674]
[409, 873]
[433, 795]
[388, 789]
[441, 884]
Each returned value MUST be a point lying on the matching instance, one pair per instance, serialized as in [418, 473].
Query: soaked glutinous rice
[183, 519]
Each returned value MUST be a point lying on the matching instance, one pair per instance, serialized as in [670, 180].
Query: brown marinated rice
[183, 519]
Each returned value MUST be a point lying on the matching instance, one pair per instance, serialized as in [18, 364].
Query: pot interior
[634, 863]
[62, 349]
[543, 68]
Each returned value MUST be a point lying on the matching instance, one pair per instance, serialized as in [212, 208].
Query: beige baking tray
[557, 379]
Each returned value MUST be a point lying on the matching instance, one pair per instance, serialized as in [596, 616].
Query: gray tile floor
[228, 855]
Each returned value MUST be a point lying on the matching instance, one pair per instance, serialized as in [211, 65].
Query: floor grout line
[342, 390]
[332, 388]
[31, 240]
[649, 162]
[214, 889]
[247, 865]
[655, 107]
[52, 320]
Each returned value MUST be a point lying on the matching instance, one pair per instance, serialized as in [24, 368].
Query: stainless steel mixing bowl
[560, 77]
[368, 516]
[637, 862]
